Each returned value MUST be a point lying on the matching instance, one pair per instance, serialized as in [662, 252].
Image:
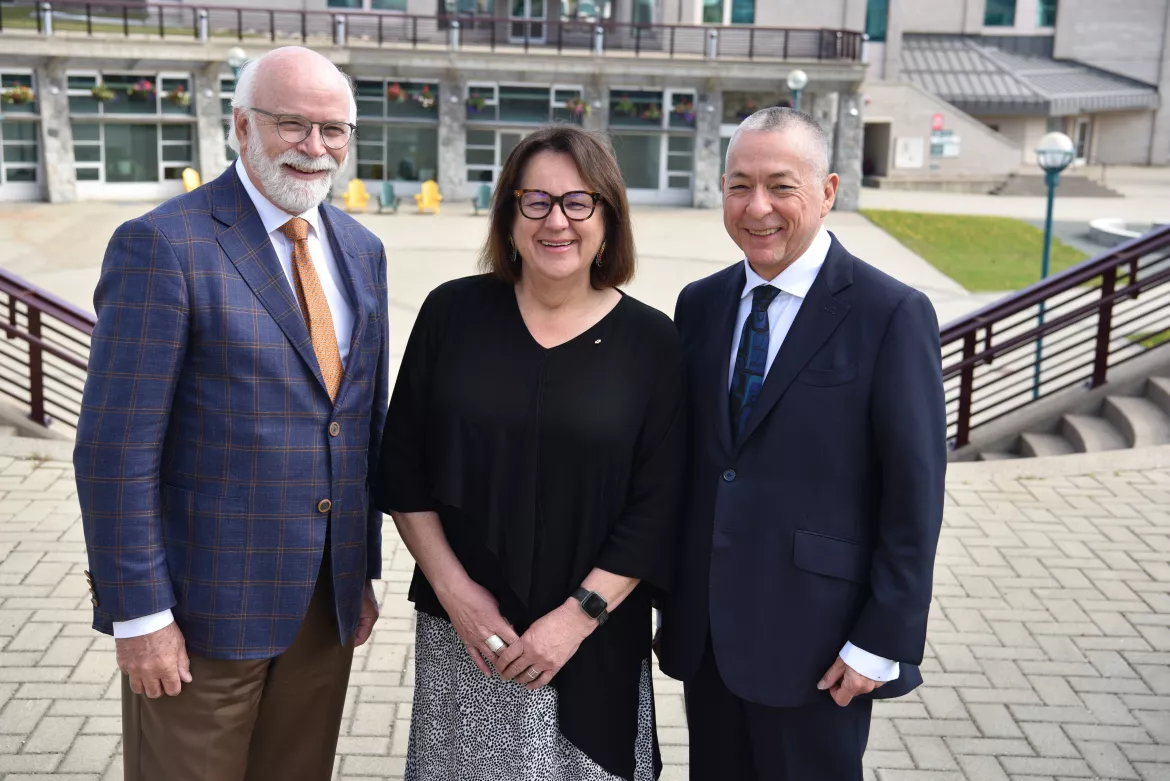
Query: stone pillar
[209, 121]
[596, 96]
[705, 188]
[452, 137]
[850, 140]
[1160, 138]
[56, 134]
[823, 108]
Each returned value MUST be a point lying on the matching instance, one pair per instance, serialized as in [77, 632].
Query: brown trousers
[263, 720]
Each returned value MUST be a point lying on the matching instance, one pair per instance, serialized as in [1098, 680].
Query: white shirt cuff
[873, 667]
[136, 627]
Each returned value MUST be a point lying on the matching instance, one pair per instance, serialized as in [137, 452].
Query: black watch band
[593, 604]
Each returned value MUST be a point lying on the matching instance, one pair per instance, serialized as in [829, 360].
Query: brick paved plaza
[1049, 651]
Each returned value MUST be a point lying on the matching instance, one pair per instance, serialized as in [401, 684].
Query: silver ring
[533, 673]
[495, 644]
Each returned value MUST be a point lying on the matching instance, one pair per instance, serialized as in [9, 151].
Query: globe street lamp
[236, 57]
[1054, 154]
[797, 80]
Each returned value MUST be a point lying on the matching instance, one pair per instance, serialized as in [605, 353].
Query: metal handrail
[44, 345]
[1081, 304]
[382, 28]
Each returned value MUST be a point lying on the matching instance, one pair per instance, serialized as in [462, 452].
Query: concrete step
[1158, 391]
[1140, 421]
[1071, 186]
[1036, 445]
[997, 455]
[1089, 434]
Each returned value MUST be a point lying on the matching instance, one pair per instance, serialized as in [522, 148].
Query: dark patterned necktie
[751, 360]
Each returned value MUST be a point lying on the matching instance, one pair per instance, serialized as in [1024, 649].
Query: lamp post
[236, 57]
[1054, 154]
[797, 81]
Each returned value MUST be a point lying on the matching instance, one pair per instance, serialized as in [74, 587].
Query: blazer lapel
[820, 314]
[356, 278]
[724, 324]
[245, 241]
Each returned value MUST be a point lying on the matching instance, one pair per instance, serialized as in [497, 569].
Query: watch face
[593, 605]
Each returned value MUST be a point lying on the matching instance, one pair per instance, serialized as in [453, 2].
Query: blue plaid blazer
[206, 441]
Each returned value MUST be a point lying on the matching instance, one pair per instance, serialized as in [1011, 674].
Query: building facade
[116, 106]
[943, 73]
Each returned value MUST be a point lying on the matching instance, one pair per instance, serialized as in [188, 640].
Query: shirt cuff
[136, 627]
[873, 667]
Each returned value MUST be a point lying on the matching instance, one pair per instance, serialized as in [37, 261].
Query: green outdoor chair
[388, 199]
[483, 198]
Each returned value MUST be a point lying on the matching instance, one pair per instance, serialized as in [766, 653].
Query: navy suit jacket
[820, 524]
[204, 446]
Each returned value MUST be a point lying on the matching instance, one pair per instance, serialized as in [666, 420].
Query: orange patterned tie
[314, 305]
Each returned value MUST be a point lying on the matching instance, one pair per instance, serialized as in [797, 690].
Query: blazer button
[324, 506]
[729, 476]
[334, 429]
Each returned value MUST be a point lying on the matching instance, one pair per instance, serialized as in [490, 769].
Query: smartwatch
[593, 604]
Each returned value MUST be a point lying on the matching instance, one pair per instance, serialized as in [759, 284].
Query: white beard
[295, 196]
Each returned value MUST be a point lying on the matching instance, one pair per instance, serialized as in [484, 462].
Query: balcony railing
[1066, 331]
[44, 352]
[158, 21]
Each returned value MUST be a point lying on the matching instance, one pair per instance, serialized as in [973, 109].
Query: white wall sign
[909, 152]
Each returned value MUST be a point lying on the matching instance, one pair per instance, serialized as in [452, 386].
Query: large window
[653, 137]
[129, 93]
[642, 11]
[1000, 13]
[728, 12]
[638, 108]
[122, 152]
[1047, 13]
[877, 13]
[370, 5]
[19, 146]
[398, 130]
[524, 105]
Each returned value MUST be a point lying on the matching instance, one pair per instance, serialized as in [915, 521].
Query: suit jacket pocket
[831, 556]
[827, 377]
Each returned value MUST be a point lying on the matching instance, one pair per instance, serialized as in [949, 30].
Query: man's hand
[844, 683]
[156, 662]
[369, 616]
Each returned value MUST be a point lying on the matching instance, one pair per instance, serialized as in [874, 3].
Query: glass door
[1082, 138]
[527, 21]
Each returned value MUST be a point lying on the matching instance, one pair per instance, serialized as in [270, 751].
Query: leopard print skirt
[465, 727]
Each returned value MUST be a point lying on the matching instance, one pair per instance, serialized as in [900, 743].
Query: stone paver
[1048, 654]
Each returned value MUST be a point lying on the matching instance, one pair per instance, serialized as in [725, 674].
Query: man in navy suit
[232, 417]
[818, 457]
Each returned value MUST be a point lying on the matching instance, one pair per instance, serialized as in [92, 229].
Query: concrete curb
[964, 472]
[27, 448]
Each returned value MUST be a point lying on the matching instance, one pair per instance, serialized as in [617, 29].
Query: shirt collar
[272, 215]
[798, 278]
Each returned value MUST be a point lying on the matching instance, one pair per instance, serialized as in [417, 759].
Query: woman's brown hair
[598, 166]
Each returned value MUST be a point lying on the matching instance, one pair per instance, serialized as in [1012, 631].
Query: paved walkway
[1048, 659]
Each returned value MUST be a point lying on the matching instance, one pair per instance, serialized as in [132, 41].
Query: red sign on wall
[936, 122]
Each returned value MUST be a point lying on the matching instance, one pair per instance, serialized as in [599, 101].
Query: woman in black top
[534, 453]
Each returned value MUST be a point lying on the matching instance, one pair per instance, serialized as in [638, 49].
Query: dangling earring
[600, 252]
[515, 254]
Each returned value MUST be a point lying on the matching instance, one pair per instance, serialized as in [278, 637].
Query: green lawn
[980, 253]
[1151, 340]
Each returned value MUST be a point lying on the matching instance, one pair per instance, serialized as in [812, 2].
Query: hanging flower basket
[475, 102]
[577, 106]
[426, 98]
[394, 93]
[624, 106]
[652, 114]
[686, 110]
[141, 91]
[21, 93]
[101, 93]
[179, 97]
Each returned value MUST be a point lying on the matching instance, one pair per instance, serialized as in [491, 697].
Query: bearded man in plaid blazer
[233, 411]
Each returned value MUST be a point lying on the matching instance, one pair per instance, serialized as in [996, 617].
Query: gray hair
[779, 120]
[246, 88]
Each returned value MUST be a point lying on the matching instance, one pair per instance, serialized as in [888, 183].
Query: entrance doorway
[875, 155]
[527, 21]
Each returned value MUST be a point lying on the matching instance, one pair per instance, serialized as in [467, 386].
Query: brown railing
[366, 28]
[1068, 330]
[44, 350]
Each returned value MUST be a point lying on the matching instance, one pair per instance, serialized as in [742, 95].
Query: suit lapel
[820, 314]
[724, 324]
[356, 278]
[245, 241]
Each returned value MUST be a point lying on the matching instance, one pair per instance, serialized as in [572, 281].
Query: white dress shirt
[794, 283]
[340, 307]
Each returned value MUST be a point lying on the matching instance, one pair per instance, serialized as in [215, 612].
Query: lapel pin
[598, 342]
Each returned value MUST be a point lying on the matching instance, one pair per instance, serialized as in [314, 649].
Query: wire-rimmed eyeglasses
[577, 205]
[294, 129]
